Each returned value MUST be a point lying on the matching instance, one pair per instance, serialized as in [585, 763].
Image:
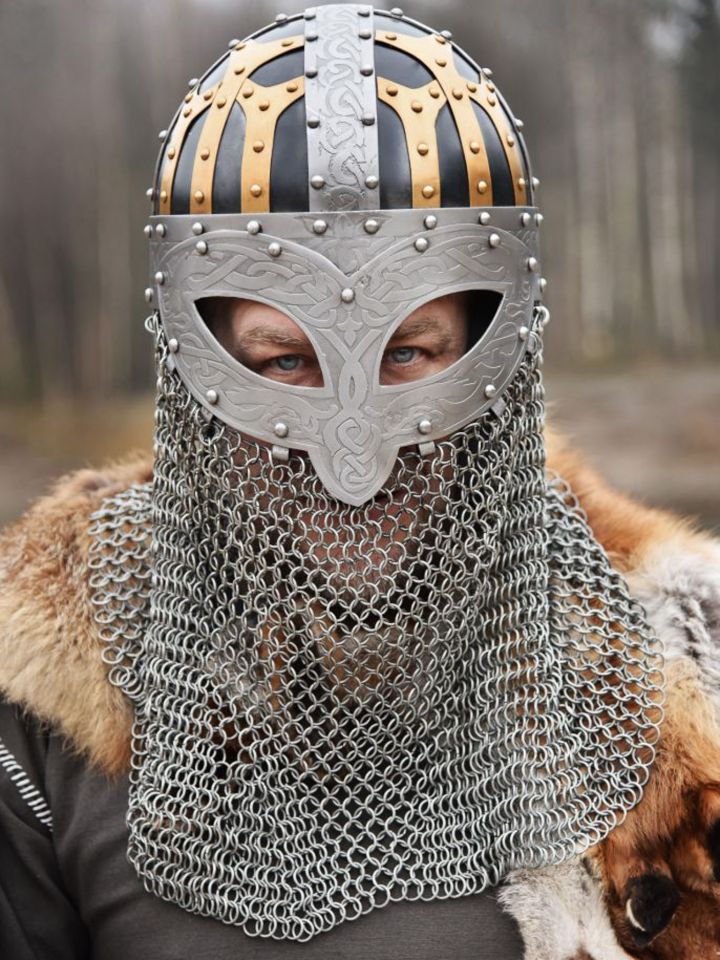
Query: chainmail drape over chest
[341, 706]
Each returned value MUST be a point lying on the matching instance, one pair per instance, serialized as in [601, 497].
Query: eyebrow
[269, 335]
[272, 336]
[419, 326]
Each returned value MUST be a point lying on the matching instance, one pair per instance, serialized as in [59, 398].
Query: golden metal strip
[262, 110]
[418, 108]
[195, 104]
[244, 59]
[486, 96]
[436, 55]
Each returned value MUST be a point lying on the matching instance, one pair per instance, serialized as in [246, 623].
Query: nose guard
[352, 427]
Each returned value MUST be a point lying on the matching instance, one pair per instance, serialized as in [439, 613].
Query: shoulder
[49, 660]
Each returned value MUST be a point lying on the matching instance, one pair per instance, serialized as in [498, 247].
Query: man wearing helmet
[376, 663]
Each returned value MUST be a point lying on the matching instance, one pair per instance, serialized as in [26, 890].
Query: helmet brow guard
[331, 165]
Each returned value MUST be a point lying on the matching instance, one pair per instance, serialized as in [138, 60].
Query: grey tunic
[70, 894]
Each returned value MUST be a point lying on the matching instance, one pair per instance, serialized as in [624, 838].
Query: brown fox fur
[50, 664]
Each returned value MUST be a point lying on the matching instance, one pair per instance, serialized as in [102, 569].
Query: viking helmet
[345, 166]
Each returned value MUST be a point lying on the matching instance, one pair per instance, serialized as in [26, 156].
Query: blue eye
[290, 361]
[402, 354]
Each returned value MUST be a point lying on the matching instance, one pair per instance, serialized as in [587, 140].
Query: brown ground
[654, 432]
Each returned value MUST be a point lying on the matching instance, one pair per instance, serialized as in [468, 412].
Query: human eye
[403, 356]
[287, 363]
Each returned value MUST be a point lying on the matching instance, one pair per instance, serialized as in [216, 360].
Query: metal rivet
[490, 391]
[207, 95]
[494, 240]
[150, 193]
[472, 87]
[446, 34]
[474, 146]
[525, 219]
[193, 82]
[535, 182]
[396, 12]
[491, 100]
[160, 229]
[201, 247]
[368, 119]
[424, 426]
[220, 102]
[482, 186]
[211, 396]
[253, 227]
[173, 345]
[347, 295]
[288, 42]
[162, 134]
[434, 92]
[160, 277]
[423, 149]
[313, 122]
[197, 228]
[274, 249]
[523, 333]
[487, 71]
[248, 92]
[148, 230]
[258, 146]
[309, 14]
[311, 73]
[204, 153]
[365, 34]
[484, 217]
[543, 283]
[391, 36]
[281, 429]
[163, 194]
[421, 244]
[292, 86]
[441, 61]
[430, 221]
[439, 38]
[366, 70]
[312, 36]
[428, 191]
[149, 294]
[521, 182]
[281, 18]
[264, 105]
[233, 43]
[416, 106]
[171, 153]
[199, 196]
[317, 181]
[238, 69]
[371, 226]
[391, 90]
[458, 93]
[319, 226]
[538, 219]
[510, 140]
[256, 190]
[531, 264]
[371, 181]
[364, 12]
[519, 124]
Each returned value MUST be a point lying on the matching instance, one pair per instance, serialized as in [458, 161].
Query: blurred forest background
[621, 103]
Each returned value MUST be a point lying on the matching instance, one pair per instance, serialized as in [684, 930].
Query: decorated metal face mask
[384, 113]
